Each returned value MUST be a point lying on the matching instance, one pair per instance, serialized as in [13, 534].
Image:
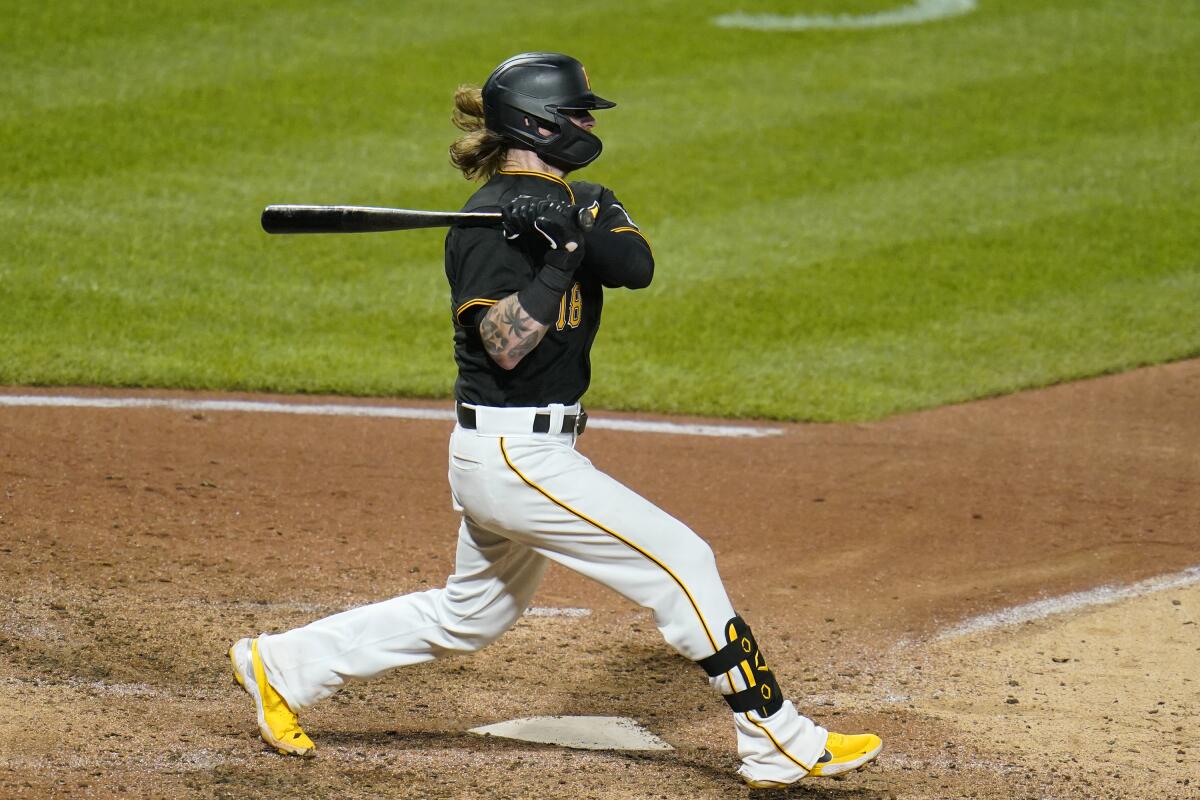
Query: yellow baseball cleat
[277, 723]
[845, 753]
[842, 754]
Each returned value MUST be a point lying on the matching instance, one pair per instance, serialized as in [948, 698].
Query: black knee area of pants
[741, 653]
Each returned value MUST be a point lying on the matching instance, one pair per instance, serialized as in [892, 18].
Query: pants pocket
[463, 463]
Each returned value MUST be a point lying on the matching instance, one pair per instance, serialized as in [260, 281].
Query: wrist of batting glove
[541, 298]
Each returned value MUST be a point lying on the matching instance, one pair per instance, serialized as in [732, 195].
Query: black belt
[571, 423]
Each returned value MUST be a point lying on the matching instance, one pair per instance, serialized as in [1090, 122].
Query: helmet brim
[587, 102]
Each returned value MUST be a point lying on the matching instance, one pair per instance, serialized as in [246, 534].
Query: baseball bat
[369, 219]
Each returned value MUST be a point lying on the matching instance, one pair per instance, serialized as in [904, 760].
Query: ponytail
[479, 152]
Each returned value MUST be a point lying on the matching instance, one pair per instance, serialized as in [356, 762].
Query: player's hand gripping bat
[367, 219]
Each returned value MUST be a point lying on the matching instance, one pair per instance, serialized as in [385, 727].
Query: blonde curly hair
[478, 153]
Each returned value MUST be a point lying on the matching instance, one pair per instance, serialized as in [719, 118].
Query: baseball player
[526, 305]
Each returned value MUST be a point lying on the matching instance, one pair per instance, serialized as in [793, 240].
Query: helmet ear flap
[534, 126]
[522, 128]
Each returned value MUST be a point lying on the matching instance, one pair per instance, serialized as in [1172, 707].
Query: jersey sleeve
[615, 219]
[483, 268]
[617, 250]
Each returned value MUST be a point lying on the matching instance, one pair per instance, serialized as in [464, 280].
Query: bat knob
[585, 216]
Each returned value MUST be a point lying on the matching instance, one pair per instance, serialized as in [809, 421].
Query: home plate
[583, 733]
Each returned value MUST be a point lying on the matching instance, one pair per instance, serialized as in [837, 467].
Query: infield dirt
[136, 544]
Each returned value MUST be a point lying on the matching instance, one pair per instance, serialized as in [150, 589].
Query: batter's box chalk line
[570, 613]
[580, 733]
[913, 14]
[1040, 609]
[348, 410]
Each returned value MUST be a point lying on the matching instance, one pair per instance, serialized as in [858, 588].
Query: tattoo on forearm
[493, 340]
[508, 332]
[524, 347]
[515, 318]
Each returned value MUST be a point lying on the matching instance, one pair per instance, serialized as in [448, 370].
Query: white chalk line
[570, 613]
[348, 410]
[918, 12]
[1102, 595]
[111, 688]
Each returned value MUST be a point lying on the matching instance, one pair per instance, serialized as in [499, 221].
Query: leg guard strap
[742, 654]
[728, 656]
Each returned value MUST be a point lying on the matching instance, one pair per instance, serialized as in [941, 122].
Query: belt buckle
[580, 422]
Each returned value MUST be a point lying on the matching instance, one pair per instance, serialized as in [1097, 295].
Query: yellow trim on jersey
[545, 175]
[615, 535]
[471, 304]
[627, 229]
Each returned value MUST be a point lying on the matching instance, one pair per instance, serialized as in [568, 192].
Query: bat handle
[585, 216]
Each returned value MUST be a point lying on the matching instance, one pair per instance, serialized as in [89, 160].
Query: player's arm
[621, 260]
[514, 326]
[617, 251]
[509, 333]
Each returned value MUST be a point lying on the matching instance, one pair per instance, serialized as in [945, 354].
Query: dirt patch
[135, 544]
[1103, 697]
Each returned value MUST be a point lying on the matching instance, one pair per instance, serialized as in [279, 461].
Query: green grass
[848, 224]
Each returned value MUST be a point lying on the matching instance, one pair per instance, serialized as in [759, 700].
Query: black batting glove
[558, 224]
[518, 214]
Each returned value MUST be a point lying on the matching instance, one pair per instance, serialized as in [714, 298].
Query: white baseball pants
[527, 498]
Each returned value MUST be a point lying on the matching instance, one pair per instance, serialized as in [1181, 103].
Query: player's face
[581, 118]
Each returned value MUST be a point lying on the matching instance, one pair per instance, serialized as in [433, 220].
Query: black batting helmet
[532, 90]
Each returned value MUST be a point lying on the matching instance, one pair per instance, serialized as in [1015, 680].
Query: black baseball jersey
[484, 267]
